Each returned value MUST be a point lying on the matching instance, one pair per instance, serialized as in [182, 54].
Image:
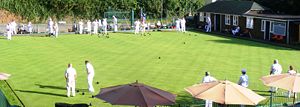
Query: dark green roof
[232, 7]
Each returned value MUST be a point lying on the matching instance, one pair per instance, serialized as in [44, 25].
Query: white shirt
[90, 69]
[137, 23]
[100, 23]
[95, 23]
[208, 79]
[115, 21]
[104, 22]
[177, 23]
[276, 69]
[182, 22]
[70, 74]
[50, 23]
[243, 81]
[291, 72]
[8, 27]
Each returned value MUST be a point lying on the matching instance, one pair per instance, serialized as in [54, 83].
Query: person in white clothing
[178, 25]
[95, 26]
[13, 25]
[244, 80]
[144, 25]
[90, 75]
[70, 76]
[182, 22]
[208, 79]
[29, 27]
[89, 27]
[100, 25]
[104, 25]
[235, 31]
[291, 71]
[50, 26]
[80, 27]
[115, 20]
[8, 31]
[137, 26]
[275, 70]
[208, 26]
[55, 28]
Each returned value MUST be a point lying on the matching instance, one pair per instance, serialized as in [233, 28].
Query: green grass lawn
[37, 64]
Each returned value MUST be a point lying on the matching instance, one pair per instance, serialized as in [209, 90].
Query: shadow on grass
[44, 93]
[185, 99]
[248, 43]
[60, 88]
[243, 41]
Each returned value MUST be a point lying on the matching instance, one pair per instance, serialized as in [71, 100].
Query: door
[267, 30]
[217, 22]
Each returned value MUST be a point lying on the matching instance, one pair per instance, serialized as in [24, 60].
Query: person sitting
[235, 31]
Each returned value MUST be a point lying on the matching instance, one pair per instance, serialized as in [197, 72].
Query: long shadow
[44, 93]
[245, 41]
[60, 88]
[185, 99]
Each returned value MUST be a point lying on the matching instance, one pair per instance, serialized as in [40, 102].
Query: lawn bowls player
[8, 31]
[137, 27]
[182, 22]
[70, 76]
[243, 81]
[90, 75]
[275, 70]
[208, 79]
[29, 27]
[95, 26]
[178, 25]
[104, 25]
[115, 20]
[56, 29]
[89, 26]
[80, 27]
[50, 26]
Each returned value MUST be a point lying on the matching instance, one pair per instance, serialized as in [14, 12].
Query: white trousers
[9, 35]
[115, 28]
[71, 88]
[137, 30]
[105, 29]
[95, 30]
[90, 83]
[208, 103]
[80, 29]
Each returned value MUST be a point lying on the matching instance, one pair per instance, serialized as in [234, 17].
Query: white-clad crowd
[180, 25]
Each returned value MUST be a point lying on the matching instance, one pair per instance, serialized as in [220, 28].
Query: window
[249, 22]
[262, 26]
[235, 21]
[227, 19]
[201, 16]
[271, 27]
[279, 28]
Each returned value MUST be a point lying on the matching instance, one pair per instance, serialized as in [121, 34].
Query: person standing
[275, 70]
[8, 31]
[50, 26]
[208, 79]
[115, 20]
[291, 71]
[182, 22]
[90, 75]
[178, 25]
[89, 27]
[95, 26]
[29, 27]
[80, 27]
[104, 25]
[137, 26]
[208, 26]
[100, 25]
[70, 76]
[56, 29]
[244, 80]
[13, 25]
